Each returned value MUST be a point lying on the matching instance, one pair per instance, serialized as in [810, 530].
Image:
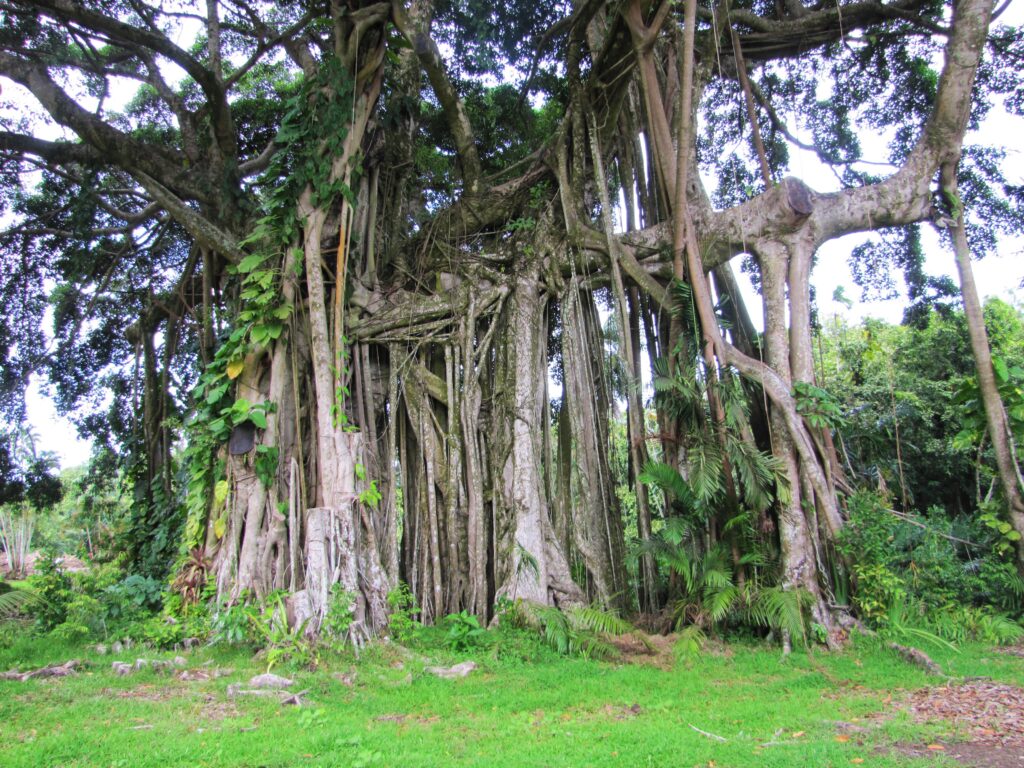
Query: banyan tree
[370, 285]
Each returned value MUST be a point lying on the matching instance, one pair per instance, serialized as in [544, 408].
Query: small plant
[878, 589]
[690, 642]
[233, 622]
[464, 631]
[402, 620]
[163, 632]
[340, 615]
[311, 718]
[54, 589]
[281, 642]
[818, 407]
[132, 597]
[191, 579]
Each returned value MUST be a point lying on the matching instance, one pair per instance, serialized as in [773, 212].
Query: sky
[997, 275]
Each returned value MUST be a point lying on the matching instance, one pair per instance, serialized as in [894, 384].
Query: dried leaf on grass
[989, 711]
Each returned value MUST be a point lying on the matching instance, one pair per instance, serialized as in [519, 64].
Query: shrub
[402, 622]
[233, 623]
[132, 598]
[340, 615]
[464, 631]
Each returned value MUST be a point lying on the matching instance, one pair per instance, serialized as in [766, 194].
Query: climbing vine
[312, 131]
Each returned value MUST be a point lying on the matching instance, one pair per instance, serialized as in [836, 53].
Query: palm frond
[691, 642]
[705, 465]
[677, 530]
[717, 578]
[668, 479]
[19, 600]
[781, 609]
[758, 473]
[719, 602]
[577, 631]
[596, 620]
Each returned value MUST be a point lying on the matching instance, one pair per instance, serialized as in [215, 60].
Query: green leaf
[220, 493]
[260, 334]
[258, 418]
[999, 365]
[250, 262]
[217, 393]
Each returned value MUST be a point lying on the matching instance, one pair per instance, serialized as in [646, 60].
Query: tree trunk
[995, 413]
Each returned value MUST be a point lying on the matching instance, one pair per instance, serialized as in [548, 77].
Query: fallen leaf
[857, 760]
[936, 747]
[842, 738]
[798, 734]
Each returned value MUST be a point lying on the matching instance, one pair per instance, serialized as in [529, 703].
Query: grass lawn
[755, 707]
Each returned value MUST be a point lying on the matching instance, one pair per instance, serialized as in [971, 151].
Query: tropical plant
[707, 595]
[573, 631]
[464, 631]
[191, 578]
[402, 623]
[340, 615]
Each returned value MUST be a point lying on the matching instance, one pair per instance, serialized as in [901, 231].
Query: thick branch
[454, 110]
[205, 232]
[112, 145]
[133, 37]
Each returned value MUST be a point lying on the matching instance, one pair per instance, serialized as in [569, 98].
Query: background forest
[382, 315]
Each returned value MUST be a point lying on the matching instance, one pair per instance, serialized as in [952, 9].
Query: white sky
[997, 275]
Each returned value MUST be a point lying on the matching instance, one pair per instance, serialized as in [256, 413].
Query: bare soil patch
[641, 648]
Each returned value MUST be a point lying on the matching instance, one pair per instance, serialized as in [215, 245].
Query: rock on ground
[270, 681]
[453, 672]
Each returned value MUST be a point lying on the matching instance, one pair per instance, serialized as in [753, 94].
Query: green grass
[548, 711]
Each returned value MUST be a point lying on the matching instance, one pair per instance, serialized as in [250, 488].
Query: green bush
[402, 621]
[162, 632]
[55, 589]
[234, 623]
[878, 588]
[464, 631]
[939, 575]
[132, 598]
